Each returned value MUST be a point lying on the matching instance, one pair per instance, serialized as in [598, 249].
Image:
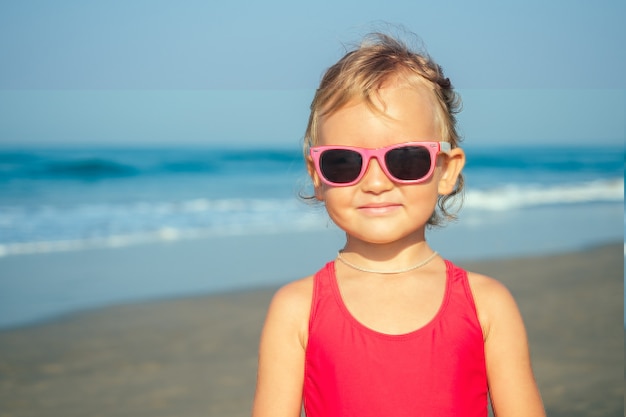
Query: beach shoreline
[196, 355]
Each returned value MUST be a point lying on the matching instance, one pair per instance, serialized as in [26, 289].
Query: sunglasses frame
[434, 148]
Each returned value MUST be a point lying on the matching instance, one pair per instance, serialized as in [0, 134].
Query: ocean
[519, 200]
[73, 199]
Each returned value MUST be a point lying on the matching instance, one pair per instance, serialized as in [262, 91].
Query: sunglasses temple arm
[445, 147]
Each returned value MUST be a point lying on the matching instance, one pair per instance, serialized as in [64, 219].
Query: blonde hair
[361, 73]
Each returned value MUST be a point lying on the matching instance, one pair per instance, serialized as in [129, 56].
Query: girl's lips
[379, 208]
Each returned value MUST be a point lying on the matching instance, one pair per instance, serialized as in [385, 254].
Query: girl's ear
[317, 183]
[451, 170]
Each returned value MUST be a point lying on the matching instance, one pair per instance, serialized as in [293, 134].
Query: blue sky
[153, 72]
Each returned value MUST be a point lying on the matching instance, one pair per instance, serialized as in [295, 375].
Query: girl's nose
[375, 180]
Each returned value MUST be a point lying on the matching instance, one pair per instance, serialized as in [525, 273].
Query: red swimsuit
[437, 370]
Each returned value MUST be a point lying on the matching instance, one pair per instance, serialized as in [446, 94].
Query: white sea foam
[516, 196]
[55, 229]
[165, 234]
[111, 226]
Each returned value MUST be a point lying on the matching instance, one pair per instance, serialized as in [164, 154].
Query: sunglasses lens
[408, 163]
[340, 166]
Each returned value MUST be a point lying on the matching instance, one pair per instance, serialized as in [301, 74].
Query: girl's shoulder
[483, 285]
[290, 308]
[295, 294]
[494, 302]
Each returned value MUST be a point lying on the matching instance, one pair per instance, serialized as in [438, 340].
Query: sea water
[73, 199]
[519, 200]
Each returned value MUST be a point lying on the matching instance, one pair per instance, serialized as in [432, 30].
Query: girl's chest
[393, 308]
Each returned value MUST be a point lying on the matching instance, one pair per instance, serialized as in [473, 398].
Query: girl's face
[377, 209]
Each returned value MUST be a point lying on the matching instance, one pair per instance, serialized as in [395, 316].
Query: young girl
[389, 328]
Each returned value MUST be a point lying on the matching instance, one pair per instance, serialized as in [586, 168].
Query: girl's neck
[392, 255]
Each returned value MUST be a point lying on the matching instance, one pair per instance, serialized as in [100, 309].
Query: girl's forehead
[376, 98]
[393, 114]
[393, 102]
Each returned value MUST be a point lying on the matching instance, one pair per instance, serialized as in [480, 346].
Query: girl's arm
[281, 353]
[512, 385]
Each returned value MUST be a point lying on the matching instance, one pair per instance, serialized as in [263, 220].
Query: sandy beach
[196, 356]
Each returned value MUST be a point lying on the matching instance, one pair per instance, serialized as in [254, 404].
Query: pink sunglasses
[405, 163]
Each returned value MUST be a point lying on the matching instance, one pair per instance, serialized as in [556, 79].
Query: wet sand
[197, 356]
